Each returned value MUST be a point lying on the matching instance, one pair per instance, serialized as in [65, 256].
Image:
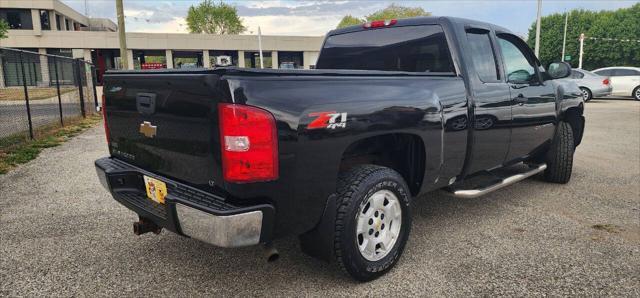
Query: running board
[474, 193]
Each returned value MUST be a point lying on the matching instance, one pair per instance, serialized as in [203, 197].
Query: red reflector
[605, 81]
[104, 119]
[249, 143]
[380, 23]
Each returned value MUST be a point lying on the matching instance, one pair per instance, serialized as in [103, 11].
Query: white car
[624, 80]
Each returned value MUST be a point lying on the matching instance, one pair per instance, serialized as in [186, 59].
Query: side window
[604, 72]
[483, 56]
[518, 66]
[621, 72]
[576, 74]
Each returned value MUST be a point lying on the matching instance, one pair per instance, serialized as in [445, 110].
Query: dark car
[335, 155]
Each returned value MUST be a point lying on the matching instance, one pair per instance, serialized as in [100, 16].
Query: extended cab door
[533, 101]
[492, 102]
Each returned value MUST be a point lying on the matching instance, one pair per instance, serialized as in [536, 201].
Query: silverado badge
[147, 129]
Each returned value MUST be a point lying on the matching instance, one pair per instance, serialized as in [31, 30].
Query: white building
[50, 26]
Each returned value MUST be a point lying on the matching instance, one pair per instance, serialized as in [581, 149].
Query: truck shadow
[200, 264]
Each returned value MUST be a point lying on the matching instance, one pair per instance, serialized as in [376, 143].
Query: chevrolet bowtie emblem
[147, 129]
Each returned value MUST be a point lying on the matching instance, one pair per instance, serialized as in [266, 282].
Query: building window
[252, 59]
[58, 24]
[290, 60]
[67, 26]
[187, 59]
[149, 59]
[17, 18]
[44, 20]
[214, 54]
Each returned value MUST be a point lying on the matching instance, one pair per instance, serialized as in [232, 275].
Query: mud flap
[319, 241]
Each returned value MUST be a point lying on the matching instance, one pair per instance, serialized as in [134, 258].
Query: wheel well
[574, 117]
[403, 153]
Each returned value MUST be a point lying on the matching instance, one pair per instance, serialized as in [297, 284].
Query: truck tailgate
[166, 123]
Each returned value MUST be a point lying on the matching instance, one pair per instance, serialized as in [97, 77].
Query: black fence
[39, 91]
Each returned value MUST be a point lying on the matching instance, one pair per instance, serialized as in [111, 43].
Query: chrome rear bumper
[188, 211]
[236, 230]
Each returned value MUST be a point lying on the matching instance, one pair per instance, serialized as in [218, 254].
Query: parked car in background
[624, 80]
[591, 84]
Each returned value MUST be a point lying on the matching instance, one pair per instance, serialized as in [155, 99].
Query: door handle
[520, 99]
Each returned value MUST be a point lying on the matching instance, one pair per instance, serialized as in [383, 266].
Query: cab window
[483, 57]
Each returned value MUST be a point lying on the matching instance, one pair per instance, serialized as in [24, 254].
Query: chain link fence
[39, 91]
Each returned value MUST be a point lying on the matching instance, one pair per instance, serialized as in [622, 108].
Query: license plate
[156, 189]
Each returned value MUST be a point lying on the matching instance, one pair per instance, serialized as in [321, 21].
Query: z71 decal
[330, 120]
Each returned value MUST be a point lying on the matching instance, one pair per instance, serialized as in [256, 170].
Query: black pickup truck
[397, 108]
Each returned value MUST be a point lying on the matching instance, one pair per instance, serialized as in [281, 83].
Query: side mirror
[558, 70]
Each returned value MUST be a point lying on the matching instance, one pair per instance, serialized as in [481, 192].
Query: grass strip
[15, 150]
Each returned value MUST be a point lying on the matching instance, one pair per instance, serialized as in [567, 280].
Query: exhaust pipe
[142, 227]
[271, 253]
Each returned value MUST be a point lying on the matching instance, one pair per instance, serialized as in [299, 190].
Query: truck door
[492, 103]
[533, 102]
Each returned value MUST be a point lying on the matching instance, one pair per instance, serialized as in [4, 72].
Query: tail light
[378, 24]
[605, 81]
[249, 144]
[104, 119]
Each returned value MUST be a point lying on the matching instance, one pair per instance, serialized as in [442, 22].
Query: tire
[359, 189]
[586, 94]
[636, 93]
[559, 158]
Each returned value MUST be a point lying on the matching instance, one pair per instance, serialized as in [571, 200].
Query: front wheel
[559, 158]
[373, 221]
[636, 93]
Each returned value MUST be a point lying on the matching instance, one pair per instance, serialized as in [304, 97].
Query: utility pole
[581, 50]
[537, 50]
[122, 35]
[564, 39]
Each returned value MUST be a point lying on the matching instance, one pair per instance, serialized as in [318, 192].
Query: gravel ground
[62, 234]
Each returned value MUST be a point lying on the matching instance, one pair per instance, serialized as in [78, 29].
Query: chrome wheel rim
[585, 94]
[638, 94]
[379, 221]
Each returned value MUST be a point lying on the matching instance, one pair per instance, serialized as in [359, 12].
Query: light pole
[260, 48]
[564, 39]
[537, 49]
[581, 50]
[121, 34]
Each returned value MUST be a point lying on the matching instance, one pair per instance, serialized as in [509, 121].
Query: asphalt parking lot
[62, 234]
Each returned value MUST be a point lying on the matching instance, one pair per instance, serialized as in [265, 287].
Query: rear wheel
[636, 93]
[586, 94]
[373, 221]
[559, 158]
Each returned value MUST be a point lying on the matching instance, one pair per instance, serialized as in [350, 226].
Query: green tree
[4, 27]
[211, 18]
[621, 24]
[392, 11]
[349, 20]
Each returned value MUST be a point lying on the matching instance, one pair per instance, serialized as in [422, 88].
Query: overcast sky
[287, 17]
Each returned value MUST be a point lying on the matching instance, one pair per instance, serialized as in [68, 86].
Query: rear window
[576, 74]
[409, 48]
